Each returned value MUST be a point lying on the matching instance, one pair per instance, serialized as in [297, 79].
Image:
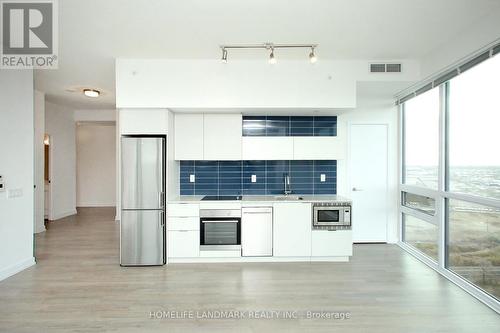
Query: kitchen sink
[288, 197]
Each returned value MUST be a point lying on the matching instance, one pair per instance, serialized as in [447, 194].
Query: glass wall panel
[474, 244]
[474, 133]
[421, 234]
[419, 202]
[421, 140]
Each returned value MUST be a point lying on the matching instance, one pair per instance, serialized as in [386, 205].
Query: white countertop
[261, 198]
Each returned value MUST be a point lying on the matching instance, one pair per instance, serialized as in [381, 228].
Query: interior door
[142, 235]
[368, 169]
[142, 173]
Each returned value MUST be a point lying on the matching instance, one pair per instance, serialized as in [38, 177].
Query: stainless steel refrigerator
[142, 223]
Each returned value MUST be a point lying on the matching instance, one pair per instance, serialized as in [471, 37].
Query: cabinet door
[331, 243]
[222, 136]
[292, 229]
[267, 148]
[183, 244]
[188, 136]
[318, 148]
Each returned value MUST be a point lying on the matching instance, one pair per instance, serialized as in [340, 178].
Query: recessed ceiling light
[91, 93]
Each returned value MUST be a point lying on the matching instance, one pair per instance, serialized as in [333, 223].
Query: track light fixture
[312, 56]
[270, 47]
[272, 59]
[224, 55]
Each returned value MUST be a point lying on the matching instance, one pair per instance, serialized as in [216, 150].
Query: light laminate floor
[78, 286]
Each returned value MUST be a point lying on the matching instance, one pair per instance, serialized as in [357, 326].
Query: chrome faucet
[286, 184]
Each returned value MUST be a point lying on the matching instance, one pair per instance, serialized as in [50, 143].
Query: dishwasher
[256, 231]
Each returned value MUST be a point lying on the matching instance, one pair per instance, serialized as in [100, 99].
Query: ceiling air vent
[377, 68]
[393, 68]
[385, 68]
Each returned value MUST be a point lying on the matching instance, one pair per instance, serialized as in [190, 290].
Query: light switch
[254, 178]
[322, 178]
[191, 178]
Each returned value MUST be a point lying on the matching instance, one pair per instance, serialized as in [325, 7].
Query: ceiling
[93, 33]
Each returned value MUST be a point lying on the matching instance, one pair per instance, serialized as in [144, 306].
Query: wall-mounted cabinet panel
[318, 148]
[267, 148]
[143, 121]
[189, 136]
[222, 137]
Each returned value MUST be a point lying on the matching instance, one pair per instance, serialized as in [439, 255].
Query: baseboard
[16, 268]
[98, 204]
[64, 214]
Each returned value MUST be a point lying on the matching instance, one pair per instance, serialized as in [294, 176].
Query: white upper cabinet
[143, 121]
[189, 136]
[267, 148]
[318, 148]
[222, 136]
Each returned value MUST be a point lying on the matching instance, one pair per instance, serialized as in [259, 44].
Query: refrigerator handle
[161, 202]
[162, 220]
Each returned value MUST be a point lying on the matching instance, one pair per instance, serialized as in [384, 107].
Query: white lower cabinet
[292, 229]
[183, 243]
[331, 243]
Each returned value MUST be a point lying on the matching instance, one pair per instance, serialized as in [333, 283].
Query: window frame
[441, 196]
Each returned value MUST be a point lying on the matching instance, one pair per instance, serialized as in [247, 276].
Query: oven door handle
[219, 221]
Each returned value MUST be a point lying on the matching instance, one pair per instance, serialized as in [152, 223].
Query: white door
[368, 169]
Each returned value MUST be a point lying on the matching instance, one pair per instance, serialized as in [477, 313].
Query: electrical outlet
[254, 178]
[2, 185]
[15, 193]
[191, 178]
[322, 178]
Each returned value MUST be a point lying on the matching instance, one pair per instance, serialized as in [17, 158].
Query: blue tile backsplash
[235, 177]
[289, 126]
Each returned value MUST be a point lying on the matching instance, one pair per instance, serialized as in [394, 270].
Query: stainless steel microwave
[331, 215]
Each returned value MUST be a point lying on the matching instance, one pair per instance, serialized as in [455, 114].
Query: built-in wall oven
[332, 215]
[220, 229]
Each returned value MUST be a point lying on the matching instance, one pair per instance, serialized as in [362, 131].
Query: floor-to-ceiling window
[450, 176]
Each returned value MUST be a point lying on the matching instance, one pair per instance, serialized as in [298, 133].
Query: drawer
[183, 209]
[183, 223]
[331, 243]
[183, 244]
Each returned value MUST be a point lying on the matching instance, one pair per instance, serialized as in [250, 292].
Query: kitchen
[296, 216]
[216, 147]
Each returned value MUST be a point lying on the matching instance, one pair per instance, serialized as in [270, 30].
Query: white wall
[205, 84]
[95, 115]
[96, 161]
[17, 168]
[39, 161]
[60, 125]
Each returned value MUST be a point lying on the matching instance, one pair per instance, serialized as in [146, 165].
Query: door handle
[356, 189]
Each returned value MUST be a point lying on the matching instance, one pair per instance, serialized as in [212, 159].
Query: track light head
[224, 55]
[312, 56]
[272, 58]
